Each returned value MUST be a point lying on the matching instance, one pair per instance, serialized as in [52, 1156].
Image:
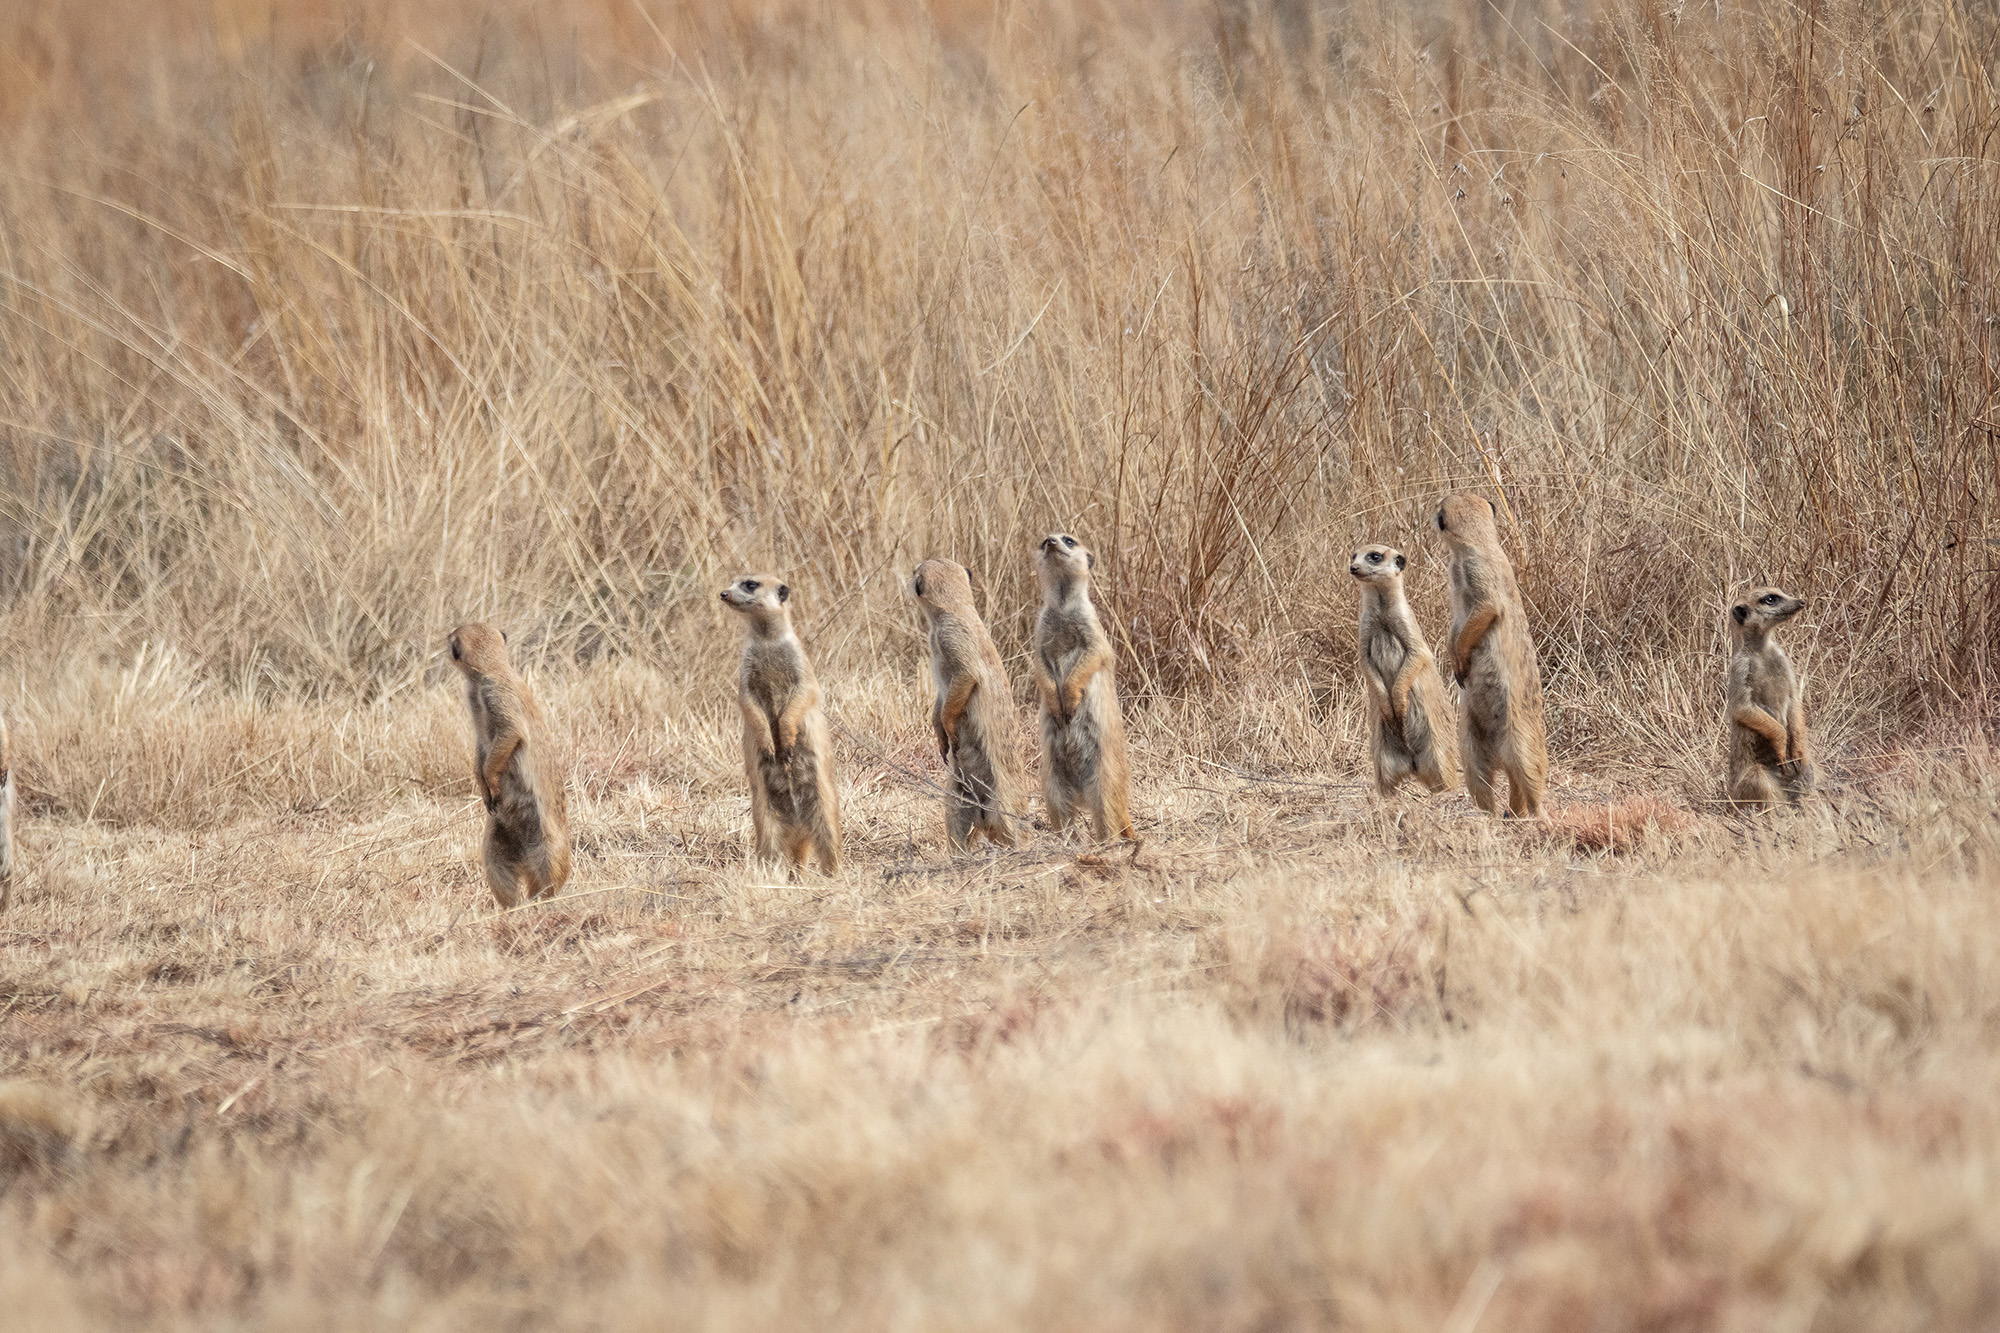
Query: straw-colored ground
[324, 328]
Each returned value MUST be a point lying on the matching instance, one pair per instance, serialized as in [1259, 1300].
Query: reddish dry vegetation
[326, 327]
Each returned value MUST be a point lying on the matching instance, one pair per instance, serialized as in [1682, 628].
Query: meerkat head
[1761, 610]
[478, 649]
[1466, 519]
[1377, 564]
[941, 585]
[1063, 562]
[761, 599]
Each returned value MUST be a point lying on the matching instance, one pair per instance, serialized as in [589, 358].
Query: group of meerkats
[788, 760]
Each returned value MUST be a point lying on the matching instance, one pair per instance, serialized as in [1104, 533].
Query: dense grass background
[324, 328]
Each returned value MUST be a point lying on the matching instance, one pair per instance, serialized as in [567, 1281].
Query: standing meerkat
[1493, 659]
[973, 714]
[1769, 763]
[519, 776]
[786, 754]
[1084, 770]
[1412, 729]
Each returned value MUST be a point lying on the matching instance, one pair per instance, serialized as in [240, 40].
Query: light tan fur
[6, 817]
[1770, 761]
[787, 755]
[1412, 731]
[1084, 768]
[1493, 659]
[978, 732]
[519, 775]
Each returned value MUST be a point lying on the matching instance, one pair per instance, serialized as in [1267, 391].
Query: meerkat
[1084, 769]
[794, 808]
[1493, 660]
[520, 778]
[973, 713]
[6, 818]
[1411, 733]
[1769, 762]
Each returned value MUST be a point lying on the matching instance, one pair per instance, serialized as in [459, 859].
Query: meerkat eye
[1374, 557]
[749, 585]
[1070, 542]
[1770, 599]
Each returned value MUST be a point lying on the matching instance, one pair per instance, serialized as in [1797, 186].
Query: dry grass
[324, 328]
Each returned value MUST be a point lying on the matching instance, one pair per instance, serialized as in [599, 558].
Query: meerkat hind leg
[1755, 789]
[1524, 794]
[504, 880]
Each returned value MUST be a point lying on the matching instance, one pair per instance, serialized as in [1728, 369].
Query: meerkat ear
[918, 585]
[1439, 520]
[457, 653]
[1741, 613]
[503, 636]
[1495, 509]
[1402, 563]
[1090, 560]
[783, 592]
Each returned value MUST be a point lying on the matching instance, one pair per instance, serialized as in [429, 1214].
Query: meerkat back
[972, 711]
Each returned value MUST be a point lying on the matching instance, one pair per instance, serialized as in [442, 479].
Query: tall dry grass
[324, 327]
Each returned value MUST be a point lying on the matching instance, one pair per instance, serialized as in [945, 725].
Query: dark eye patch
[1069, 542]
[749, 585]
[1374, 557]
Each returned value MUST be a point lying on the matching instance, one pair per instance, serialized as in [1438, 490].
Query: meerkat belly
[1486, 692]
[1074, 746]
[1385, 657]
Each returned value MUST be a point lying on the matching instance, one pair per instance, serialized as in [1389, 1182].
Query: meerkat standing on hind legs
[786, 753]
[1769, 763]
[1500, 686]
[1412, 733]
[1084, 769]
[973, 713]
[520, 779]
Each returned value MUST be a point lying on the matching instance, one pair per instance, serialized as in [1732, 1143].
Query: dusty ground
[1304, 1059]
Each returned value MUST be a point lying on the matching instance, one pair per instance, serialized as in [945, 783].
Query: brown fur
[1770, 762]
[1493, 659]
[978, 732]
[1412, 732]
[519, 775]
[1084, 768]
[787, 754]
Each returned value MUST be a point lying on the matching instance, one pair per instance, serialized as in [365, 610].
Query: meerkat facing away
[519, 775]
[1412, 732]
[6, 817]
[1084, 768]
[1769, 762]
[1500, 685]
[977, 730]
[787, 756]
